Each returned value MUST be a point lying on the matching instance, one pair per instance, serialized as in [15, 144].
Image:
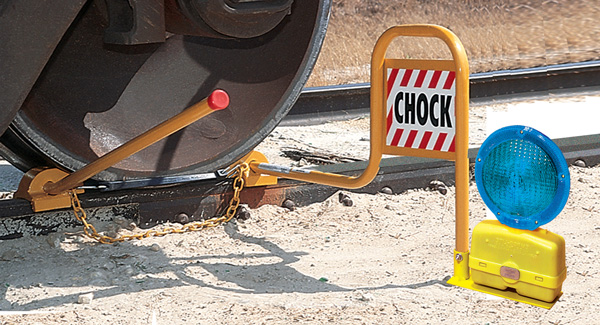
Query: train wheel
[92, 96]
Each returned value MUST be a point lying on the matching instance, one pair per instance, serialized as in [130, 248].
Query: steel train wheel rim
[68, 118]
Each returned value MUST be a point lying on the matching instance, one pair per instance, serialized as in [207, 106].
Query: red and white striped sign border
[427, 136]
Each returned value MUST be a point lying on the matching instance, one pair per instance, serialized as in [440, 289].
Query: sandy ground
[496, 34]
[383, 260]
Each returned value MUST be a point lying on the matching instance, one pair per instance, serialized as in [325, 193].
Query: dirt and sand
[383, 260]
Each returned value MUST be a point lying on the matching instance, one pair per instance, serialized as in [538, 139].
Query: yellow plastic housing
[531, 262]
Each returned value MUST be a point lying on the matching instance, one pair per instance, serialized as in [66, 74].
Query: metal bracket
[254, 178]
[31, 188]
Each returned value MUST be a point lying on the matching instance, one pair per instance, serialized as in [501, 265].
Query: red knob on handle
[218, 100]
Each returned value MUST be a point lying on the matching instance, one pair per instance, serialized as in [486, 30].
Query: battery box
[530, 261]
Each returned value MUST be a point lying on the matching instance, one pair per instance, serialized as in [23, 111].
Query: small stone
[437, 182]
[387, 190]
[243, 213]
[345, 199]
[289, 204]
[439, 186]
[85, 298]
[579, 163]
[155, 247]
[54, 240]
[182, 218]
[112, 234]
[364, 296]
[347, 202]
[128, 270]
[302, 162]
[443, 190]
[6, 195]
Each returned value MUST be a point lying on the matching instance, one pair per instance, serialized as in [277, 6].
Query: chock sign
[420, 109]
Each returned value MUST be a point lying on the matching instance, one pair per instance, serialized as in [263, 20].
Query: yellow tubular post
[462, 112]
[461, 255]
[461, 68]
[378, 109]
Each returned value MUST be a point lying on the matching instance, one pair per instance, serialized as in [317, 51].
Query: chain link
[238, 185]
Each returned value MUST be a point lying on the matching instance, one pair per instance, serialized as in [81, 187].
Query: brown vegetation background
[496, 34]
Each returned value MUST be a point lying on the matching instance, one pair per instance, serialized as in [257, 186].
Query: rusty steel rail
[320, 104]
[201, 199]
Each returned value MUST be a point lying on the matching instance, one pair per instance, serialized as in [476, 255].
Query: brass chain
[238, 185]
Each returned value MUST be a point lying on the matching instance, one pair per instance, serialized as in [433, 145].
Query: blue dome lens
[520, 178]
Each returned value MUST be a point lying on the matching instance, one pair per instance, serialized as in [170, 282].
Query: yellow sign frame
[460, 66]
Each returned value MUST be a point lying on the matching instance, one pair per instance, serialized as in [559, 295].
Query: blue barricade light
[522, 177]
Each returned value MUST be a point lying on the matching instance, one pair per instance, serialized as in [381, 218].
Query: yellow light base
[512, 295]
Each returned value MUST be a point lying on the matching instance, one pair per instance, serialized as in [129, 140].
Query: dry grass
[496, 34]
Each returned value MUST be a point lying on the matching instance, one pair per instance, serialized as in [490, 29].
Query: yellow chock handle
[49, 186]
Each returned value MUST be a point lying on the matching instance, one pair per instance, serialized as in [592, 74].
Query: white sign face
[421, 110]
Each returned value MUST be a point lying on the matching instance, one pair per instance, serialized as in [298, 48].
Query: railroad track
[190, 198]
[319, 104]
